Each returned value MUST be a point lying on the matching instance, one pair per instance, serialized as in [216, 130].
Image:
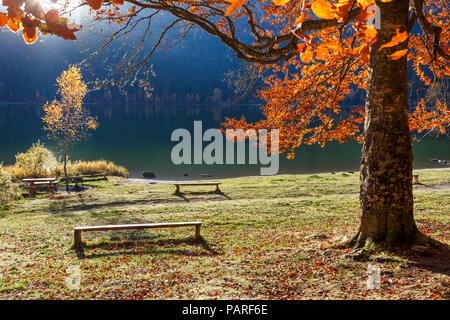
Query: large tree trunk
[386, 163]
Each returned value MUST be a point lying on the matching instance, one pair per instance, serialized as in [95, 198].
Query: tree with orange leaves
[318, 50]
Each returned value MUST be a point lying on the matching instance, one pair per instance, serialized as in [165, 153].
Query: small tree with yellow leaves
[66, 120]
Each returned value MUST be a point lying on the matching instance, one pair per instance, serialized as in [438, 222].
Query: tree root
[422, 239]
[368, 245]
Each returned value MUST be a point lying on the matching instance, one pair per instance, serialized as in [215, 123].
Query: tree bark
[386, 163]
[65, 165]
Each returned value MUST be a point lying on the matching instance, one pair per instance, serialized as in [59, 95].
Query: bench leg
[32, 191]
[218, 189]
[177, 190]
[77, 239]
[197, 231]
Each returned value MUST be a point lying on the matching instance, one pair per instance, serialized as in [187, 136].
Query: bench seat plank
[88, 177]
[39, 179]
[197, 183]
[138, 226]
[91, 175]
[44, 183]
[201, 183]
[94, 175]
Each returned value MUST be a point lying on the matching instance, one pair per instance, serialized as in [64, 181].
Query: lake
[138, 137]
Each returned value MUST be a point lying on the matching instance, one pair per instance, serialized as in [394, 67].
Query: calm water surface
[138, 137]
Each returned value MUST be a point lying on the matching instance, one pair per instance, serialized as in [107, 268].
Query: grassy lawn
[263, 238]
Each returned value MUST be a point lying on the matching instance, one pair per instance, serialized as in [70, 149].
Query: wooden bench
[34, 184]
[78, 230]
[88, 177]
[206, 183]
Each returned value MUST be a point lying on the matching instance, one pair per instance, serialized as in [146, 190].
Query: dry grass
[8, 191]
[18, 173]
[92, 167]
[40, 162]
[264, 237]
[73, 169]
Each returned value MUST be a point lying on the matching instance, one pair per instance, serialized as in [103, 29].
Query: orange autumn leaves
[306, 52]
[29, 16]
[29, 29]
[305, 97]
[96, 4]
[321, 8]
[397, 39]
[281, 2]
[322, 51]
[234, 5]
[339, 11]
[324, 9]
[304, 107]
[425, 119]
[3, 19]
[398, 54]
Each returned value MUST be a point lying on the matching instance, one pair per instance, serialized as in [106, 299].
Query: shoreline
[168, 181]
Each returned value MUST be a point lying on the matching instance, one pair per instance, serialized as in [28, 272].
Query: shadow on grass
[435, 258]
[420, 184]
[63, 207]
[438, 186]
[151, 247]
[182, 195]
[432, 256]
[58, 207]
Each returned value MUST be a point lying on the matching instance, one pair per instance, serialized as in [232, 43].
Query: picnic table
[35, 184]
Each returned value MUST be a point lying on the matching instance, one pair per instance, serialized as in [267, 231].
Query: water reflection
[138, 137]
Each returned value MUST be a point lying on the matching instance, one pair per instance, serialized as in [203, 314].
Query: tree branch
[430, 29]
[315, 25]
